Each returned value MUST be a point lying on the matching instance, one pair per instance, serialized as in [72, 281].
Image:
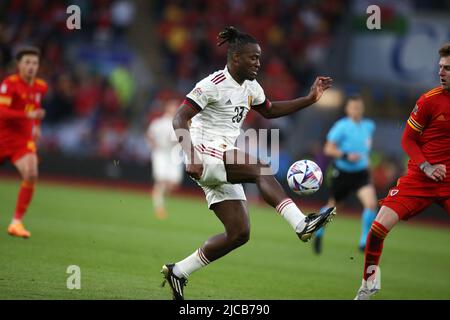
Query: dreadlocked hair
[236, 39]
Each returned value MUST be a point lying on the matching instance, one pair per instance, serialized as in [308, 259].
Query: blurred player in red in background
[20, 115]
[426, 140]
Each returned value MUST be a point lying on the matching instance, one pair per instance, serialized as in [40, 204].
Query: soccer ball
[304, 177]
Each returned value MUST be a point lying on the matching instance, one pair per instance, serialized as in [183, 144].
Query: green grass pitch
[114, 238]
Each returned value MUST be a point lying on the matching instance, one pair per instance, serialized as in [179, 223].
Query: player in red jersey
[20, 114]
[426, 140]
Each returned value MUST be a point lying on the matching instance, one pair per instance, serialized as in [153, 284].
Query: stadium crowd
[91, 110]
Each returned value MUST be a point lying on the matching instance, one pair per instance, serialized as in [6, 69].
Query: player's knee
[240, 237]
[257, 171]
[265, 178]
[30, 176]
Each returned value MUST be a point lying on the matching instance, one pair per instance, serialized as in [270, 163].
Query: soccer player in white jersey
[217, 107]
[166, 166]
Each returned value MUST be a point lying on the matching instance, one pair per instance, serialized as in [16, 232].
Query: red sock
[374, 247]
[24, 199]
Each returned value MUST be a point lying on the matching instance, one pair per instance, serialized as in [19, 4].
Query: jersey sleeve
[155, 129]
[204, 93]
[420, 115]
[6, 93]
[150, 130]
[335, 133]
[259, 97]
[6, 96]
[43, 88]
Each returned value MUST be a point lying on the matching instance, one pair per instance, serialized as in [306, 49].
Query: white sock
[158, 199]
[292, 214]
[192, 263]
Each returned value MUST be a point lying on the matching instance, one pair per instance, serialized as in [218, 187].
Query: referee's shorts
[344, 182]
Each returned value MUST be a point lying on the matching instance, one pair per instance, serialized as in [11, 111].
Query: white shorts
[214, 177]
[164, 168]
[225, 191]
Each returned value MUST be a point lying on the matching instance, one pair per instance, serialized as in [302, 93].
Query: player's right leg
[234, 216]
[158, 193]
[27, 165]
[408, 198]
[371, 282]
[241, 168]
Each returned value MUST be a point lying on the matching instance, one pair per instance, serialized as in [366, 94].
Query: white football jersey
[225, 104]
[161, 130]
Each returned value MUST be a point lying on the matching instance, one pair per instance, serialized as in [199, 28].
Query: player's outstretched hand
[36, 114]
[436, 172]
[319, 86]
[195, 171]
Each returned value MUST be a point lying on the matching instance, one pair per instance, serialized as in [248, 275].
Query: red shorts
[15, 153]
[413, 194]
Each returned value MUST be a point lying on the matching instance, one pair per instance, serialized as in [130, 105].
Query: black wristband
[345, 156]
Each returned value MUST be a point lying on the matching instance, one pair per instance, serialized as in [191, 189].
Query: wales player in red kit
[426, 140]
[20, 114]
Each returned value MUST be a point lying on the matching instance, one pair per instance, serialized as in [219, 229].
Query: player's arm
[10, 114]
[37, 124]
[331, 149]
[180, 123]
[37, 121]
[6, 99]
[149, 137]
[277, 109]
[410, 143]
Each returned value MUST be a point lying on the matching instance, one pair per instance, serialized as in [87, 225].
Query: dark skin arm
[180, 123]
[281, 108]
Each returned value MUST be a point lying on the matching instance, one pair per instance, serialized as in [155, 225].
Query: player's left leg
[242, 168]
[27, 166]
[234, 216]
[158, 194]
[367, 197]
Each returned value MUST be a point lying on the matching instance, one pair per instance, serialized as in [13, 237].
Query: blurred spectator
[60, 104]
[91, 102]
[5, 50]
[123, 83]
[122, 15]
[87, 96]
